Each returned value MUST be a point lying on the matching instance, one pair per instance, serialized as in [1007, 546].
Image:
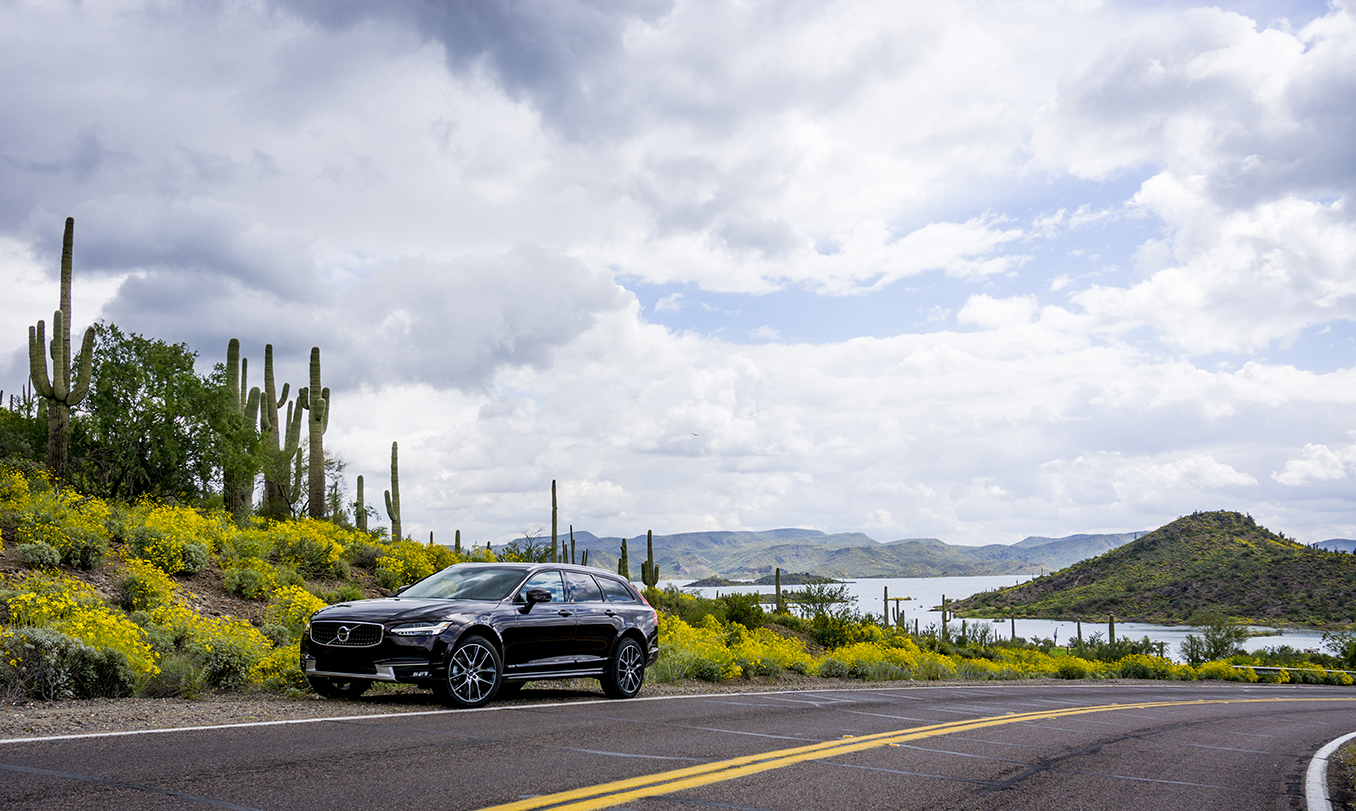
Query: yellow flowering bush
[75, 526]
[312, 547]
[228, 648]
[175, 539]
[70, 607]
[280, 668]
[695, 653]
[1224, 671]
[291, 606]
[403, 562]
[762, 652]
[14, 491]
[144, 585]
[250, 578]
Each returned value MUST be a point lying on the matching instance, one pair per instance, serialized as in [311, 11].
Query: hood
[396, 609]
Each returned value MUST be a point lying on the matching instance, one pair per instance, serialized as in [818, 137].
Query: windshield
[459, 583]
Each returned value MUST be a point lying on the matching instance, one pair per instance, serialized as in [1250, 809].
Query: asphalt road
[1147, 745]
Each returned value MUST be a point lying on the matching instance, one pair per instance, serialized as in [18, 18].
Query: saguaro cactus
[393, 495]
[555, 554]
[777, 579]
[457, 547]
[360, 512]
[58, 391]
[238, 478]
[623, 567]
[317, 402]
[281, 440]
[649, 572]
[571, 543]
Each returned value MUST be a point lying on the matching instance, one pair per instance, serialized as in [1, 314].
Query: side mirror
[535, 596]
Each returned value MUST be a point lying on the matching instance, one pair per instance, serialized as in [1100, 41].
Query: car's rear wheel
[626, 672]
[339, 688]
[473, 673]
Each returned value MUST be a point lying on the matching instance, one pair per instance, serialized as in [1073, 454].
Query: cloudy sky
[971, 271]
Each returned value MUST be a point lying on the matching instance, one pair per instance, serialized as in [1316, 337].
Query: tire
[474, 673]
[338, 688]
[626, 672]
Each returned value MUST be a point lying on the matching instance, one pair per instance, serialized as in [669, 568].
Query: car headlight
[421, 628]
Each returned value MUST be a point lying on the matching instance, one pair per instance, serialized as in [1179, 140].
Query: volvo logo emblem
[342, 634]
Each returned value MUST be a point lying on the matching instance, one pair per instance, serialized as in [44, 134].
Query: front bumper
[396, 670]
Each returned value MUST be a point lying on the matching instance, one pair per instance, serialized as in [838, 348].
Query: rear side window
[582, 588]
[616, 591]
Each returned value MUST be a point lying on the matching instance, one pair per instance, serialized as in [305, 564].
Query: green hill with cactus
[1220, 563]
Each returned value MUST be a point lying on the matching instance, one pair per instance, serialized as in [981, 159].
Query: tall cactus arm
[61, 377]
[324, 414]
[37, 360]
[282, 398]
[252, 407]
[293, 431]
[233, 371]
[67, 251]
[85, 362]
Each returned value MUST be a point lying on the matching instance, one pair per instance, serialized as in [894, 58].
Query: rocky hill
[1207, 563]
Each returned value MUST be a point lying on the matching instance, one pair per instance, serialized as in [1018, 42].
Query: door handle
[565, 613]
[610, 613]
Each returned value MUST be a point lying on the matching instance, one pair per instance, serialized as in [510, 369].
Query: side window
[582, 588]
[544, 580]
[616, 591]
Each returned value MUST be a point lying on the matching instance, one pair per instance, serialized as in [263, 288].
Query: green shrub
[362, 554]
[744, 609]
[179, 677]
[249, 582]
[879, 671]
[143, 586]
[40, 555]
[284, 576]
[312, 557]
[195, 557]
[339, 570]
[345, 593]
[277, 633]
[44, 664]
[1072, 667]
[226, 662]
[831, 668]
[84, 549]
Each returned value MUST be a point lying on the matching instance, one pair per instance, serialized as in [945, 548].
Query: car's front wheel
[339, 688]
[473, 673]
[626, 672]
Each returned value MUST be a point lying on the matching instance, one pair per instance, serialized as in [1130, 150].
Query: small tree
[154, 427]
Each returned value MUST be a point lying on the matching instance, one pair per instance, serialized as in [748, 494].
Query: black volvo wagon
[477, 630]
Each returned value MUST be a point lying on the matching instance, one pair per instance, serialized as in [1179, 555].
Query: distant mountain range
[1336, 545]
[750, 555]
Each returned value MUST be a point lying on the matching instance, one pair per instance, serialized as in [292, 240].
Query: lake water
[925, 593]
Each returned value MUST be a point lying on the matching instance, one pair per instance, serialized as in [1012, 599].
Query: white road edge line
[495, 708]
[1316, 779]
[502, 707]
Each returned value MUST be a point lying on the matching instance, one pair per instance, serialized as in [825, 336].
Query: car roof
[568, 567]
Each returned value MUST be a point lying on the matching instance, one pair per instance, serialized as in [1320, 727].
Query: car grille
[346, 634]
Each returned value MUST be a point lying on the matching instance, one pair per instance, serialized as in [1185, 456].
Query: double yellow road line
[606, 795]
